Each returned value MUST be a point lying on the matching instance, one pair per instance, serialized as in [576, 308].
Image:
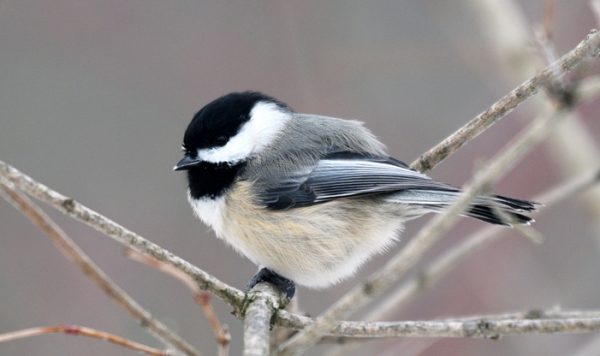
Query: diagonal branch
[204, 281]
[383, 279]
[572, 148]
[201, 297]
[82, 331]
[449, 259]
[585, 49]
[79, 212]
[233, 296]
[68, 248]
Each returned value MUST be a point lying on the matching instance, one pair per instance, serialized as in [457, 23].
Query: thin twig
[527, 231]
[76, 210]
[223, 349]
[585, 49]
[201, 297]
[595, 5]
[570, 188]
[383, 279]
[508, 32]
[561, 92]
[475, 241]
[548, 22]
[443, 264]
[205, 281]
[82, 331]
[589, 89]
[68, 248]
[221, 332]
[231, 295]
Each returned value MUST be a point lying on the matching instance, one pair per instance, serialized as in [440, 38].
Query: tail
[494, 209]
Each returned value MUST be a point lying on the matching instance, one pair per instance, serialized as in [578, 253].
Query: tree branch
[488, 326]
[477, 240]
[585, 49]
[589, 88]
[450, 258]
[201, 297]
[79, 212]
[397, 266]
[82, 331]
[70, 250]
[254, 306]
[263, 302]
[481, 328]
[508, 31]
[383, 279]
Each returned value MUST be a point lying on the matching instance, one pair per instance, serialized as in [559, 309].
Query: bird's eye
[221, 140]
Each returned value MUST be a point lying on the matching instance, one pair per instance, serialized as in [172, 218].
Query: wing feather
[345, 175]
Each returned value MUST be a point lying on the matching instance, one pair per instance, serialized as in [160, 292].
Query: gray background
[95, 96]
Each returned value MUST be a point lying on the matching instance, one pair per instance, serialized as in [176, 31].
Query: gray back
[305, 139]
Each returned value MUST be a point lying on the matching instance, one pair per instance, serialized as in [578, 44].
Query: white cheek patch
[266, 121]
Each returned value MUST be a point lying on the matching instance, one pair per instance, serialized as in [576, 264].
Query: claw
[285, 285]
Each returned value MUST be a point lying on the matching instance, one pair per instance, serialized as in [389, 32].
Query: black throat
[211, 180]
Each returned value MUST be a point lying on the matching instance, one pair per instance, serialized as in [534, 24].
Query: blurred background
[95, 96]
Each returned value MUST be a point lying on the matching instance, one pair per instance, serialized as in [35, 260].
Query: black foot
[266, 275]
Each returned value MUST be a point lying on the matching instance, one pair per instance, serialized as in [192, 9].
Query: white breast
[210, 211]
[314, 246]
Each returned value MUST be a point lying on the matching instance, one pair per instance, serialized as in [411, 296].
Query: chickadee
[308, 198]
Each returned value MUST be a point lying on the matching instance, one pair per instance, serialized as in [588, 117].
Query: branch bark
[201, 297]
[397, 266]
[429, 275]
[489, 328]
[383, 279]
[68, 248]
[82, 331]
[572, 147]
[263, 302]
[449, 259]
[534, 321]
[585, 49]
[124, 236]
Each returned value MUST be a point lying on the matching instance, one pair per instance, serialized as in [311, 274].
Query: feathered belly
[314, 246]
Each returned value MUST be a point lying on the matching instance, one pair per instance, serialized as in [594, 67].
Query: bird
[308, 198]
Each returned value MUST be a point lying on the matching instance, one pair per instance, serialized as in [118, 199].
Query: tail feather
[505, 217]
[494, 209]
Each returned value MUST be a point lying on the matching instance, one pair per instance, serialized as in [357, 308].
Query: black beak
[186, 163]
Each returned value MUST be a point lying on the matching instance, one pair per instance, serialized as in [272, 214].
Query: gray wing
[345, 175]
